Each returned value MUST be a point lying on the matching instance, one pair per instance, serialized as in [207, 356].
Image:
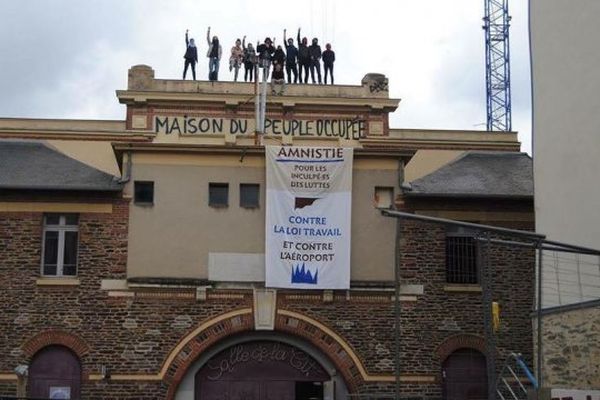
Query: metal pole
[263, 100]
[536, 245]
[256, 100]
[539, 321]
[397, 312]
[478, 227]
[490, 341]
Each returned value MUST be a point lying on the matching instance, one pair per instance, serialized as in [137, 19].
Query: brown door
[55, 373]
[465, 376]
[261, 370]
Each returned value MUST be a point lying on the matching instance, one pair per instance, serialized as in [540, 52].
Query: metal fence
[565, 274]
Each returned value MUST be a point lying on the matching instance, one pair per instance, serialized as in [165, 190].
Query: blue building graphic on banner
[303, 275]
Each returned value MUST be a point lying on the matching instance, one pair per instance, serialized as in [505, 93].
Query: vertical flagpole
[257, 139]
[263, 100]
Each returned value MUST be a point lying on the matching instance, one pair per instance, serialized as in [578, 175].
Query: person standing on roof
[290, 59]
[265, 53]
[214, 56]
[314, 50]
[328, 60]
[191, 56]
[236, 58]
[279, 57]
[303, 57]
[249, 60]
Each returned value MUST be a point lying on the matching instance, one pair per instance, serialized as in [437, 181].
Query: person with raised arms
[190, 56]
[291, 58]
[214, 56]
[249, 60]
[303, 57]
[236, 58]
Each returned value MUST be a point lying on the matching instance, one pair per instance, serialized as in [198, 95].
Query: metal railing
[515, 379]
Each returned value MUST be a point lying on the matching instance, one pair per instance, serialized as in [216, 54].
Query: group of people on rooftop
[297, 61]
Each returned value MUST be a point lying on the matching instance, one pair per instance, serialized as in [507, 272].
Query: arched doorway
[262, 366]
[464, 375]
[55, 373]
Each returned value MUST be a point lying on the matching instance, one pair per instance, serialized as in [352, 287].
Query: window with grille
[461, 257]
[60, 241]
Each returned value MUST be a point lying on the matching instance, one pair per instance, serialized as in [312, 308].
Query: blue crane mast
[497, 65]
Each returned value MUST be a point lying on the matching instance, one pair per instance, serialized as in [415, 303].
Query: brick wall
[136, 334]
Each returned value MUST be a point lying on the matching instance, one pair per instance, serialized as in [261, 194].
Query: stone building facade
[139, 320]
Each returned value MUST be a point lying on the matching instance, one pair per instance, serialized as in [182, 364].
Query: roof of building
[478, 174]
[35, 166]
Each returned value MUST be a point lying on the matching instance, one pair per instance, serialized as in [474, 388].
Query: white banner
[309, 199]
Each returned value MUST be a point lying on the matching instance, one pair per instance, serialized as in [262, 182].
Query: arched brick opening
[191, 348]
[55, 337]
[462, 341]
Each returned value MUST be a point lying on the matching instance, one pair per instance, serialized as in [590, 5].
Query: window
[143, 192]
[218, 194]
[383, 197]
[59, 254]
[461, 257]
[249, 195]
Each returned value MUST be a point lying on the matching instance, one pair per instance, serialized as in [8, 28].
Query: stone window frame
[61, 228]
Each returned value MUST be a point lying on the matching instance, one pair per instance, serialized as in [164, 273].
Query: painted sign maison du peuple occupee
[348, 129]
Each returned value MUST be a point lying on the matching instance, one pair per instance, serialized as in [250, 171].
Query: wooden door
[465, 376]
[260, 370]
[55, 373]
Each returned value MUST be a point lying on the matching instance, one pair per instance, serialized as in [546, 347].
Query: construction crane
[497, 65]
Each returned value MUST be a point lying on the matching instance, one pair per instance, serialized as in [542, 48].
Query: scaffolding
[497, 65]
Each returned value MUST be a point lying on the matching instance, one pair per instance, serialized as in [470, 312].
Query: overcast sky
[66, 58]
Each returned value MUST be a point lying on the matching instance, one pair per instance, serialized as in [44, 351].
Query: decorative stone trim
[463, 288]
[105, 208]
[324, 338]
[49, 338]
[453, 343]
[57, 282]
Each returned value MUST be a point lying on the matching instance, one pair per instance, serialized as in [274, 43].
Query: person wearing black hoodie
[315, 60]
[291, 53]
[279, 57]
[191, 56]
[303, 57]
[328, 60]
[265, 54]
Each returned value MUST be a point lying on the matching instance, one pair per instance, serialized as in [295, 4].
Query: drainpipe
[127, 170]
[397, 292]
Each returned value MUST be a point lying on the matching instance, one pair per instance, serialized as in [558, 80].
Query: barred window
[59, 251]
[461, 257]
